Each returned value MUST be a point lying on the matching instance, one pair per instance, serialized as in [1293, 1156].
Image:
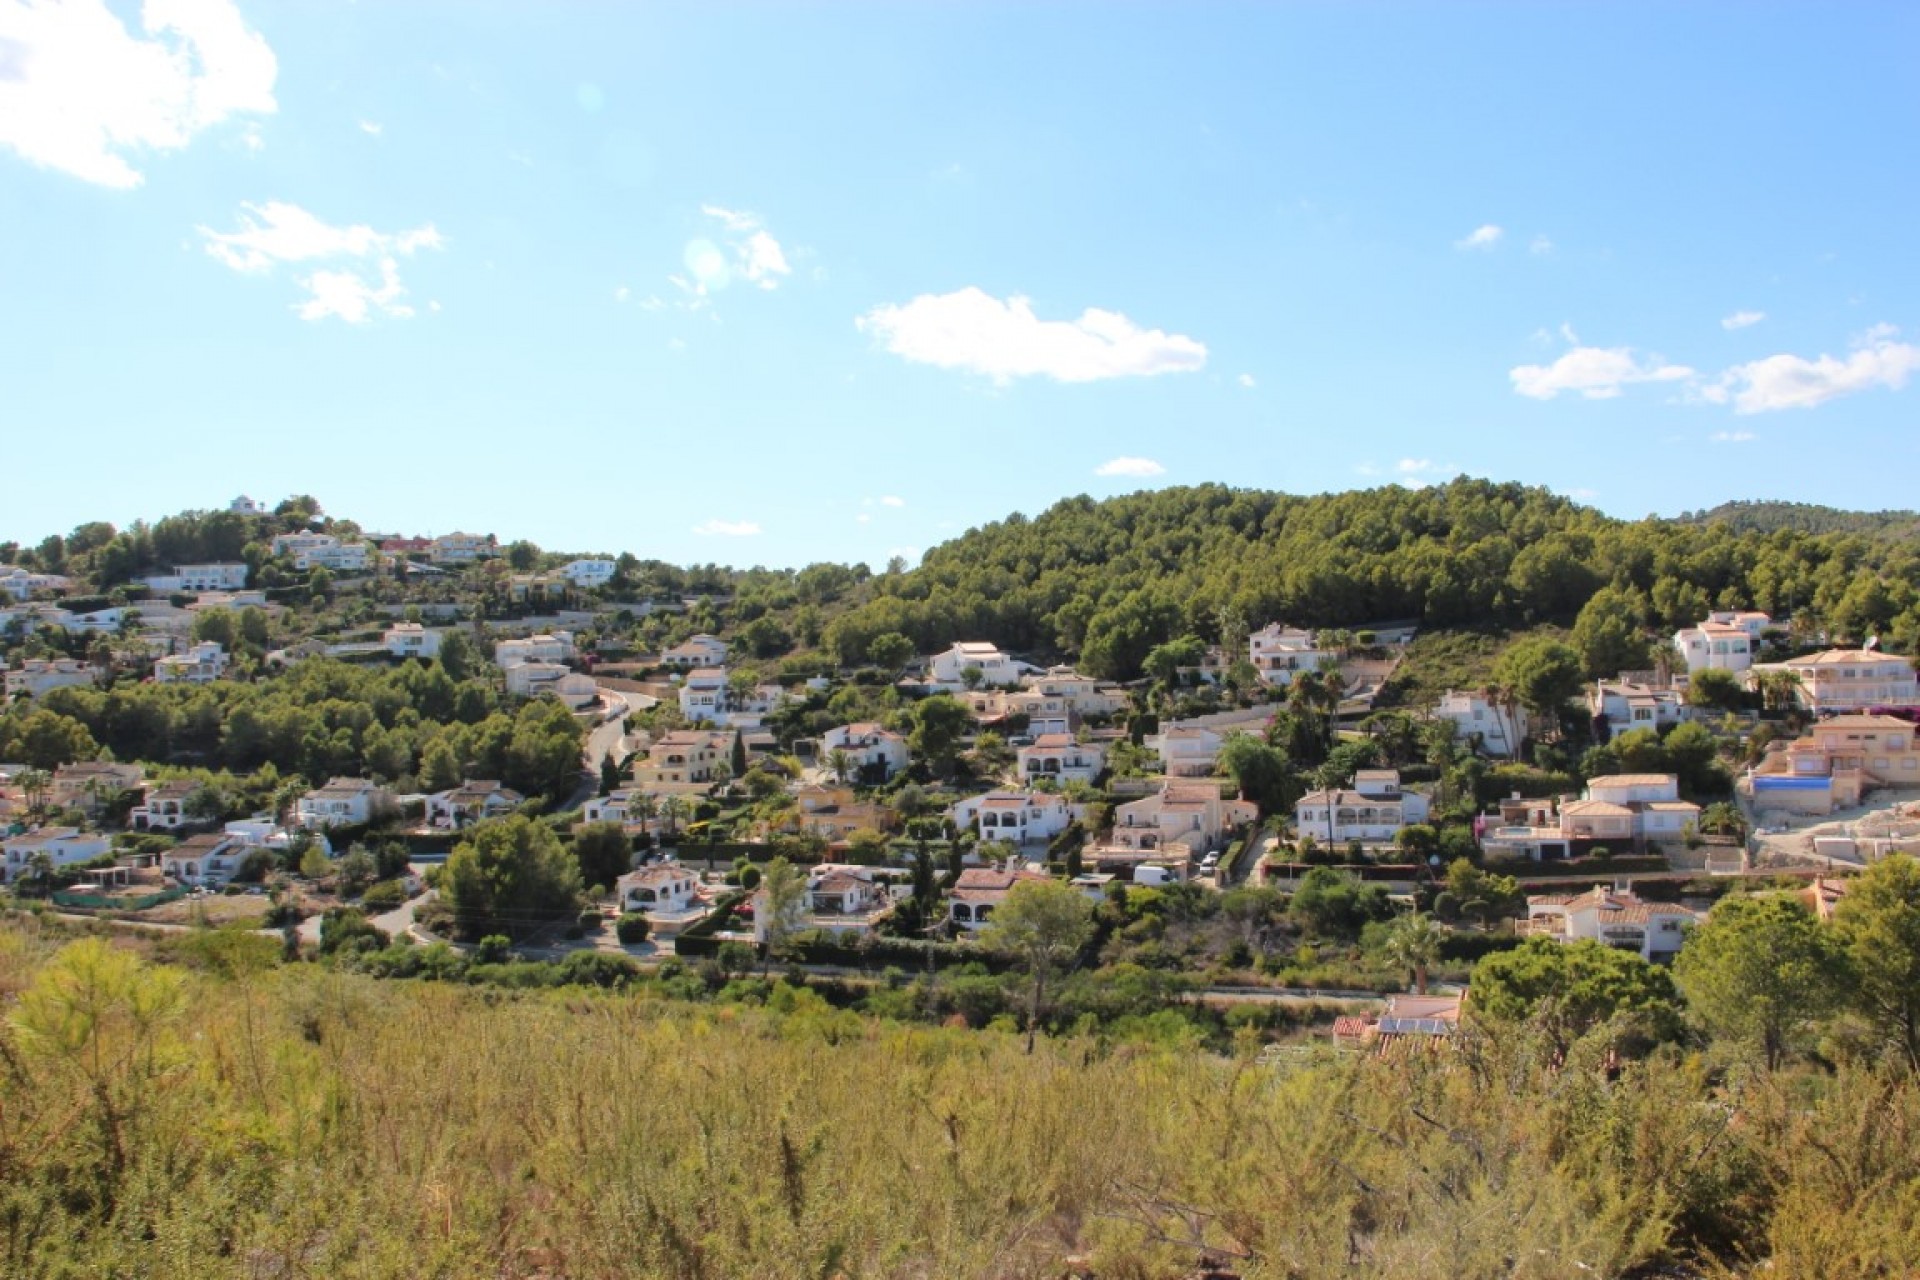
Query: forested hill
[1103, 582]
[1805, 517]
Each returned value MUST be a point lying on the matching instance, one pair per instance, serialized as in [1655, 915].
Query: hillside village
[314, 719]
[1606, 838]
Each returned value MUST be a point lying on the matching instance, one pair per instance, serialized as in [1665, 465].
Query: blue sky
[783, 283]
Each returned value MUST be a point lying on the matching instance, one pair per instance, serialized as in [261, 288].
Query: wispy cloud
[1794, 382]
[1540, 245]
[1598, 373]
[1482, 237]
[372, 128]
[744, 250]
[1134, 467]
[1731, 437]
[1246, 380]
[891, 501]
[79, 93]
[277, 233]
[972, 330]
[726, 528]
[1743, 319]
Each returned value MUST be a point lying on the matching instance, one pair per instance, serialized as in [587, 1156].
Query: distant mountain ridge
[1806, 517]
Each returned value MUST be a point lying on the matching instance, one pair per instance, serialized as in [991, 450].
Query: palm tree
[1415, 945]
[34, 786]
[842, 764]
[672, 809]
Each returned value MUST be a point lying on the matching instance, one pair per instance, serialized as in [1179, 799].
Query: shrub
[493, 949]
[590, 921]
[385, 896]
[632, 929]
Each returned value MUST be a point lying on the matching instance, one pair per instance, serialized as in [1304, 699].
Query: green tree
[890, 651]
[603, 852]
[1607, 632]
[1334, 904]
[1878, 924]
[1761, 971]
[1262, 773]
[1543, 674]
[783, 906]
[1045, 923]
[1569, 989]
[1716, 690]
[508, 877]
[939, 722]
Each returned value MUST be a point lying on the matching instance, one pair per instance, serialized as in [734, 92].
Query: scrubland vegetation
[222, 1115]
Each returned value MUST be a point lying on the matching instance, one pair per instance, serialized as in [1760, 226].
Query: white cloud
[1424, 467]
[372, 128]
[622, 293]
[1794, 382]
[747, 251]
[1246, 380]
[1482, 237]
[971, 329]
[727, 528]
[1731, 437]
[353, 297]
[80, 93]
[891, 501]
[1136, 467]
[1743, 319]
[863, 518]
[1540, 245]
[275, 233]
[1597, 373]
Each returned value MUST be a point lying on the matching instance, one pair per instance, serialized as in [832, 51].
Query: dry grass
[302, 1122]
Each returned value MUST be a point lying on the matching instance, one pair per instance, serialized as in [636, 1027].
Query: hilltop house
[164, 807]
[1835, 764]
[1714, 646]
[199, 577]
[682, 762]
[471, 802]
[206, 861]
[36, 677]
[463, 548]
[949, 669]
[871, 748]
[1629, 810]
[1279, 653]
[63, 846]
[1652, 930]
[554, 646]
[664, 888]
[86, 784]
[1372, 811]
[202, 664]
[981, 889]
[1626, 704]
[1021, 817]
[1848, 680]
[531, 679]
[834, 813]
[588, 574]
[1183, 817]
[343, 802]
[1186, 750]
[1497, 730]
[411, 640]
[1058, 756]
[703, 695]
[701, 650]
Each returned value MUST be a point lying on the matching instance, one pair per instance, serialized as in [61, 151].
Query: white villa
[554, 646]
[164, 807]
[411, 640]
[683, 761]
[1651, 930]
[22, 583]
[1628, 705]
[1849, 680]
[1620, 812]
[1183, 815]
[323, 551]
[980, 889]
[206, 861]
[200, 577]
[1058, 756]
[471, 802]
[588, 574]
[65, 846]
[1372, 811]
[949, 669]
[463, 548]
[34, 677]
[868, 745]
[1278, 653]
[1715, 646]
[702, 650]
[1498, 730]
[664, 888]
[1020, 817]
[1186, 751]
[343, 802]
[703, 695]
[531, 679]
[202, 664]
